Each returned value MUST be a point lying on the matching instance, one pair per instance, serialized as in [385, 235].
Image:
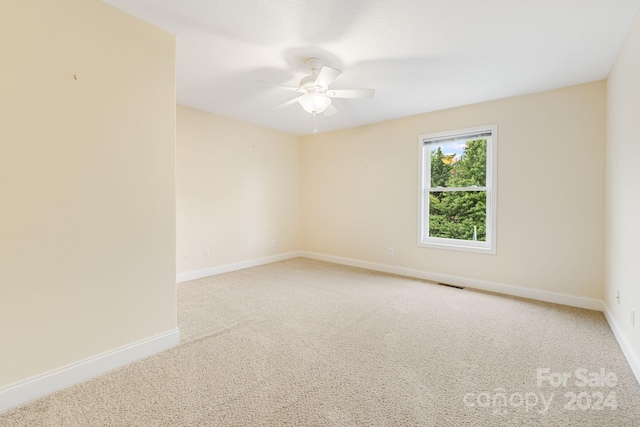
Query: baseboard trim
[627, 349]
[227, 268]
[558, 298]
[42, 385]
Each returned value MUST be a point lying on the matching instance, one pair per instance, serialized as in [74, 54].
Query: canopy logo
[592, 398]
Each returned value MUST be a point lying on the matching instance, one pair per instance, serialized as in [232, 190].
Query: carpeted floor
[308, 343]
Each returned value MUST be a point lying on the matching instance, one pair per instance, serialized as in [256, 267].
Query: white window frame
[424, 188]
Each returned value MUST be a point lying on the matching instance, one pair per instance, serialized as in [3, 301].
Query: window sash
[427, 237]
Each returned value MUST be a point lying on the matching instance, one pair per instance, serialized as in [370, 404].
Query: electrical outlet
[274, 243]
[390, 251]
[206, 253]
[618, 296]
[184, 258]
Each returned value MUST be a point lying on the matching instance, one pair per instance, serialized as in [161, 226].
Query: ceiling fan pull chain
[315, 123]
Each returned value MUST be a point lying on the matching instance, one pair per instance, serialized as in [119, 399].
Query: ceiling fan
[315, 95]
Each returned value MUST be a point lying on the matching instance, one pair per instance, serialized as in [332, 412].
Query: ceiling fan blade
[330, 111]
[290, 102]
[292, 88]
[351, 93]
[326, 76]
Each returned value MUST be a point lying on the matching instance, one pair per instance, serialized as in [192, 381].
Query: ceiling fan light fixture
[314, 103]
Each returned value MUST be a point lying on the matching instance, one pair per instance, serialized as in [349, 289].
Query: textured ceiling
[419, 55]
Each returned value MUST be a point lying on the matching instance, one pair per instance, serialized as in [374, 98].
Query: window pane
[461, 163]
[458, 215]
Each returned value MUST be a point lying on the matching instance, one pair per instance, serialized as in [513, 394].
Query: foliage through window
[457, 197]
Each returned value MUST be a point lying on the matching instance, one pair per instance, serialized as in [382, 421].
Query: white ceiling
[419, 55]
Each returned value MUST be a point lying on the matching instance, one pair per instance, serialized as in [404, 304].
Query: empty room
[339, 213]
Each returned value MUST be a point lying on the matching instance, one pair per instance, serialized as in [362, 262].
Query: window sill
[458, 247]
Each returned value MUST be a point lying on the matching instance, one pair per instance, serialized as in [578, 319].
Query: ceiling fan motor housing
[308, 85]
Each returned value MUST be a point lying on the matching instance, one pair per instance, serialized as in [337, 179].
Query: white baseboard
[33, 388]
[227, 268]
[558, 298]
[627, 349]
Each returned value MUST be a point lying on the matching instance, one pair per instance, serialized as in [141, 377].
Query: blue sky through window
[449, 148]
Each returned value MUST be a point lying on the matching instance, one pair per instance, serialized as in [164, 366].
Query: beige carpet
[307, 343]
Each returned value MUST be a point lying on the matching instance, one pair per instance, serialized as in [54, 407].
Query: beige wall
[360, 192]
[87, 218]
[238, 191]
[623, 189]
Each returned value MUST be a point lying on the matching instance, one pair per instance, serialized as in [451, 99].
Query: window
[457, 205]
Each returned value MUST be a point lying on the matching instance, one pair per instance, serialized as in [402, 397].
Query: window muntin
[457, 196]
